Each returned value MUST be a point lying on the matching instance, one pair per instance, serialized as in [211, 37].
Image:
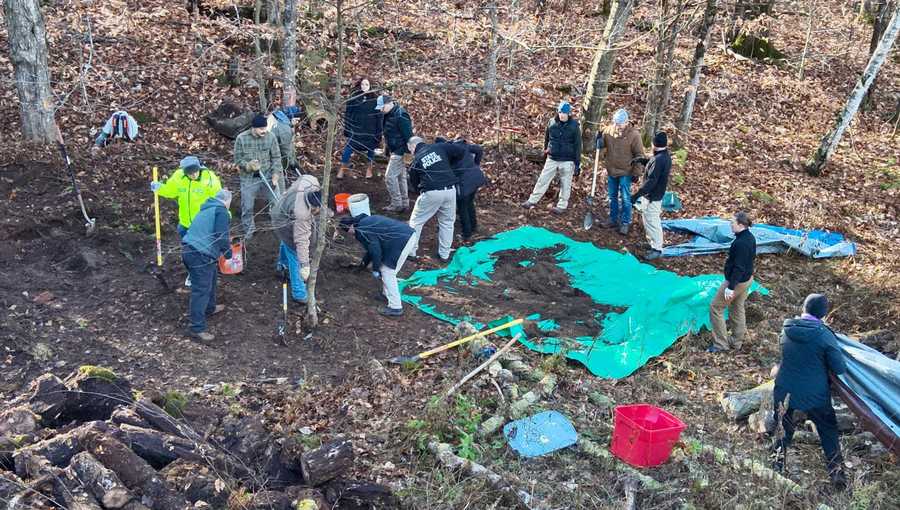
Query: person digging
[206, 240]
[294, 217]
[191, 184]
[651, 193]
[387, 243]
[562, 147]
[809, 351]
[732, 294]
[258, 157]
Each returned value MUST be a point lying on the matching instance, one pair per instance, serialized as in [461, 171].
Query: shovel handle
[158, 230]
[468, 338]
[594, 180]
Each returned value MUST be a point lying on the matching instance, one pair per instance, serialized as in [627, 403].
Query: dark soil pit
[524, 282]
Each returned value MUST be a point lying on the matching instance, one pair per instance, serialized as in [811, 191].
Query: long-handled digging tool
[90, 223]
[157, 270]
[442, 348]
[283, 323]
[589, 217]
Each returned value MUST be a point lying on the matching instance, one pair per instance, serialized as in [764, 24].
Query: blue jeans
[287, 257]
[348, 151]
[616, 186]
[204, 271]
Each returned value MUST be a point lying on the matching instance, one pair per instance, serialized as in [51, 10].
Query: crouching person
[809, 351]
[387, 243]
[294, 219]
[206, 240]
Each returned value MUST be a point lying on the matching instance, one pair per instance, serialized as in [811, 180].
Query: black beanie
[314, 198]
[661, 140]
[816, 304]
[350, 221]
[259, 121]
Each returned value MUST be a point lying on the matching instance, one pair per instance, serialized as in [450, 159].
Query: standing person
[809, 351]
[471, 177]
[732, 294]
[397, 129]
[656, 178]
[258, 157]
[206, 239]
[431, 174]
[191, 184]
[362, 127]
[562, 147]
[622, 144]
[294, 219]
[282, 123]
[387, 243]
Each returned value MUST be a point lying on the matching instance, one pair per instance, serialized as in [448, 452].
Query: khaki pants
[736, 316]
[650, 212]
[443, 204]
[565, 169]
[389, 285]
[395, 179]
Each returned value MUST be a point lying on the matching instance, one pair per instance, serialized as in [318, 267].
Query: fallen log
[49, 399]
[356, 495]
[161, 420]
[327, 461]
[742, 404]
[102, 482]
[57, 451]
[157, 448]
[594, 450]
[127, 415]
[444, 454]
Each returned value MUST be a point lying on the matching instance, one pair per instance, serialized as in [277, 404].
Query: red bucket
[341, 203]
[235, 264]
[644, 435]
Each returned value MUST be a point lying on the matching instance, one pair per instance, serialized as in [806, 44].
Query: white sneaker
[187, 281]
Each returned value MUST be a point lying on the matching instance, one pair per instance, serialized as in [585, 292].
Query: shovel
[156, 270]
[90, 223]
[589, 217]
[282, 324]
[419, 357]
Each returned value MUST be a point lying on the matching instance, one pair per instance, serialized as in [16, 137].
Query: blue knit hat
[564, 107]
[383, 99]
[190, 164]
[620, 116]
[260, 121]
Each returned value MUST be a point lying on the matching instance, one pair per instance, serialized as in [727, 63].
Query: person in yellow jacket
[191, 184]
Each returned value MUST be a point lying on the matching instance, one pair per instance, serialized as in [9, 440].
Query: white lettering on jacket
[430, 159]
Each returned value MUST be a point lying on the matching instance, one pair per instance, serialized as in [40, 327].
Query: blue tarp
[540, 434]
[714, 235]
[875, 379]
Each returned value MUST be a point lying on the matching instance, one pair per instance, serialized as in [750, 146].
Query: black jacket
[563, 140]
[384, 240]
[362, 124]
[469, 170]
[397, 130]
[432, 166]
[739, 265]
[656, 177]
[808, 352]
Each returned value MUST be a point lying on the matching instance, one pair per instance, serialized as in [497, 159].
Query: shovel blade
[588, 220]
[399, 360]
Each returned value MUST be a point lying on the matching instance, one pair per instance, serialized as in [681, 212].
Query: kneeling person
[387, 242]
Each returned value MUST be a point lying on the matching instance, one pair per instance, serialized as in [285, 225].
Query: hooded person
[362, 126]
[621, 146]
[294, 217]
[809, 352]
[387, 243]
[205, 241]
[397, 129]
[258, 158]
[562, 147]
[651, 193]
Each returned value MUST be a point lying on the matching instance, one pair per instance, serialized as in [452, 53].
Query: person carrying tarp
[809, 351]
[258, 157]
[387, 243]
[281, 123]
[206, 240]
[733, 292]
[191, 184]
[652, 191]
[294, 217]
[562, 147]
[120, 126]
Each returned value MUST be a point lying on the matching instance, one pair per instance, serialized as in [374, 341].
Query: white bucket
[358, 204]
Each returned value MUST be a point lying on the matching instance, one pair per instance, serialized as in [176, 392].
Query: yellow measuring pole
[158, 232]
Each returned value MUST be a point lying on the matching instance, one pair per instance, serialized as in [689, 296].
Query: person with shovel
[651, 193]
[205, 241]
[622, 144]
[388, 243]
[397, 129]
[733, 292]
[562, 147]
[258, 158]
[191, 184]
[294, 219]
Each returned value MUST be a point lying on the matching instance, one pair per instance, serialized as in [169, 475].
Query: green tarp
[659, 306]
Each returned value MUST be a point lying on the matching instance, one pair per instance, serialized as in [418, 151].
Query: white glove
[304, 273]
[154, 186]
[729, 294]
[376, 274]
[254, 166]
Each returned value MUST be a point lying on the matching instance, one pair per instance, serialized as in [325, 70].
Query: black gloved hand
[641, 161]
[294, 166]
[577, 171]
[598, 142]
[634, 199]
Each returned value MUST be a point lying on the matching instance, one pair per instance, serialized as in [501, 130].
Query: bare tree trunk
[668, 27]
[690, 96]
[831, 140]
[881, 11]
[257, 51]
[28, 52]
[311, 310]
[601, 70]
[289, 53]
[490, 81]
[809, 28]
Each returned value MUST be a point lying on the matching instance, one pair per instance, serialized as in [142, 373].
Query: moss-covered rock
[759, 48]
[98, 372]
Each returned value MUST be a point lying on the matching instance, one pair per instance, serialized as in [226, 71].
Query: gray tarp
[875, 379]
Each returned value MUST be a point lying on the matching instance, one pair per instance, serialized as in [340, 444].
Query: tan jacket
[621, 150]
[304, 221]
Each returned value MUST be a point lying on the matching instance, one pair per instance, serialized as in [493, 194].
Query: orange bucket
[341, 203]
[235, 264]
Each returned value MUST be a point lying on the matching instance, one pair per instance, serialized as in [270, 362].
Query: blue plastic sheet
[714, 235]
[875, 379]
[540, 434]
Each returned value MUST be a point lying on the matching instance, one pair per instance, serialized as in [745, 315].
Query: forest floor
[67, 299]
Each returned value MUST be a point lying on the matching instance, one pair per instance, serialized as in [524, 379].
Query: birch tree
[690, 96]
[831, 140]
[28, 52]
[289, 52]
[490, 81]
[669, 24]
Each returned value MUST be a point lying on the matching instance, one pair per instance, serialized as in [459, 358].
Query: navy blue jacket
[469, 170]
[563, 140]
[397, 130]
[362, 124]
[656, 177]
[809, 351]
[208, 233]
[741, 254]
[384, 240]
[433, 164]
